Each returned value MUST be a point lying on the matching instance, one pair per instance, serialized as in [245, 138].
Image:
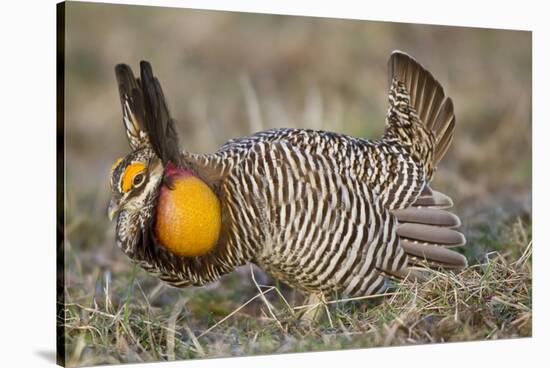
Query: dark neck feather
[143, 248]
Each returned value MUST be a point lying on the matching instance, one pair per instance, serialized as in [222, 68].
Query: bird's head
[135, 180]
[156, 198]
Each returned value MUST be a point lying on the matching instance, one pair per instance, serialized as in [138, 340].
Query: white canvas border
[28, 180]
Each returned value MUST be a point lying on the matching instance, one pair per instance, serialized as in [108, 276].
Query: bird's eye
[138, 180]
[134, 175]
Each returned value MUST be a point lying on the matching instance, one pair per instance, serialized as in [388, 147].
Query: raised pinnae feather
[131, 99]
[145, 112]
[159, 125]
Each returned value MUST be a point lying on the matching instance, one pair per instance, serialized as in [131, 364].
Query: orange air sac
[188, 218]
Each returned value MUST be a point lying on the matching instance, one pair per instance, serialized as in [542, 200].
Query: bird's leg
[325, 306]
[315, 305]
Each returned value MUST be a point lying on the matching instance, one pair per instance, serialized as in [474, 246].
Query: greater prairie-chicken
[324, 212]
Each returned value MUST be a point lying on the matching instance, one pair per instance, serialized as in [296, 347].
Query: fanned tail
[428, 232]
[427, 98]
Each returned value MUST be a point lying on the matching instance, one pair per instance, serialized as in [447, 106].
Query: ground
[117, 313]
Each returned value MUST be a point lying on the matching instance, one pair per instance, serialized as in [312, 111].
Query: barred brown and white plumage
[322, 211]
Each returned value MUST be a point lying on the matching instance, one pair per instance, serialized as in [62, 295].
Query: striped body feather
[313, 207]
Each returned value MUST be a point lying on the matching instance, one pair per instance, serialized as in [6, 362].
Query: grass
[126, 316]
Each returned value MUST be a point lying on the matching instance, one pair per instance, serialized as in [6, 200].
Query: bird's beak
[112, 211]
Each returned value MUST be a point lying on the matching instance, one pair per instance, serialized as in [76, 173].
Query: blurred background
[231, 74]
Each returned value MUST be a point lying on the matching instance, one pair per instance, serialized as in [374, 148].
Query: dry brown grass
[122, 322]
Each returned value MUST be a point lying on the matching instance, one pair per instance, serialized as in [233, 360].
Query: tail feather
[444, 142]
[426, 230]
[427, 97]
